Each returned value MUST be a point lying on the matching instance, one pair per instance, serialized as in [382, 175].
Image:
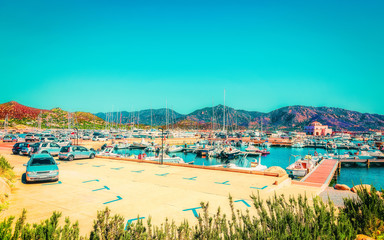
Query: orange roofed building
[317, 129]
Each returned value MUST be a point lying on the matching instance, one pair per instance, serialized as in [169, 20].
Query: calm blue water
[350, 175]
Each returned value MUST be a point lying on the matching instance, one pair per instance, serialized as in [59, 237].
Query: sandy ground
[141, 189]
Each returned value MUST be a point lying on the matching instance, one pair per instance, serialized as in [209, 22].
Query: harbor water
[281, 156]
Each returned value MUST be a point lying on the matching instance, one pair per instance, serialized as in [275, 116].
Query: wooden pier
[368, 162]
[322, 175]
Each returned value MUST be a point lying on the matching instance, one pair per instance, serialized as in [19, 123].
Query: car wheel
[46, 152]
[92, 156]
[70, 158]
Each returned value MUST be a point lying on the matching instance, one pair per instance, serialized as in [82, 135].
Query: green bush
[6, 170]
[276, 218]
[367, 212]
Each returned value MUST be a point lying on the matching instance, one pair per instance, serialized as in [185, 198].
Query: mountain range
[289, 118]
[285, 118]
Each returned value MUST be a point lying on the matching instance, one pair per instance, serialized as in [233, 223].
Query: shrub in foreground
[276, 218]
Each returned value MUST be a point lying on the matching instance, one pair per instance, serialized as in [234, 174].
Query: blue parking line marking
[242, 200]
[131, 220]
[94, 180]
[97, 165]
[259, 188]
[193, 210]
[118, 199]
[117, 168]
[81, 163]
[139, 171]
[162, 175]
[224, 183]
[105, 187]
[45, 184]
[192, 178]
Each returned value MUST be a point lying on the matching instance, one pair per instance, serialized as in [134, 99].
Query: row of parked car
[41, 166]
[65, 152]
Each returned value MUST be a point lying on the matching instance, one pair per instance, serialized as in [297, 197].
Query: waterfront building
[317, 129]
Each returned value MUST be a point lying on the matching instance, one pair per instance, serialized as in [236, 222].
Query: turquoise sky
[128, 55]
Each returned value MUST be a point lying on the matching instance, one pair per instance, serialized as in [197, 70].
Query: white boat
[150, 149]
[254, 165]
[251, 148]
[298, 145]
[122, 145]
[300, 168]
[266, 144]
[108, 152]
[174, 148]
[141, 145]
[168, 159]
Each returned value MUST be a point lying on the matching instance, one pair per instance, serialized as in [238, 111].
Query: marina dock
[322, 175]
[365, 161]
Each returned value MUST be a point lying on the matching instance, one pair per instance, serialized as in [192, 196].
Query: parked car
[10, 138]
[75, 152]
[16, 149]
[63, 143]
[86, 137]
[119, 137]
[48, 139]
[28, 150]
[41, 167]
[31, 138]
[50, 148]
[100, 138]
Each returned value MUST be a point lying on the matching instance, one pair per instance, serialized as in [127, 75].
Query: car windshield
[42, 161]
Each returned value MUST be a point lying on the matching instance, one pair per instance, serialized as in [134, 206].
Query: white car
[50, 148]
[63, 143]
[100, 138]
[86, 137]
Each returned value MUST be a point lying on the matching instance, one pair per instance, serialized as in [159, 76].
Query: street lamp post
[162, 146]
[77, 136]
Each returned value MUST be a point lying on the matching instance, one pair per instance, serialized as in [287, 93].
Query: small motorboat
[300, 168]
[166, 158]
[122, 145]
[298, 145]
[108, 152]
[141, 145]
[174, 148]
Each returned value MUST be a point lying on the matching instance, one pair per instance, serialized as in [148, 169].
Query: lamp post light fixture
[162, 145]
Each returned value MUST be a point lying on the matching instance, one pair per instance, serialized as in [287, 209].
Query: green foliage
[276, 218]
[367, 212]
[46, 230]
[6, 170]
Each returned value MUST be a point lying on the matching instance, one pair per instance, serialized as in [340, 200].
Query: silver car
[50, 148]
[41, 167]
[75, 152]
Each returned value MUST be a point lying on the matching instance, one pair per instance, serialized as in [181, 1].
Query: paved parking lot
[136, 189]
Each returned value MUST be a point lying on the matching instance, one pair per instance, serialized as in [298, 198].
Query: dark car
[28, 150]
[18, 147]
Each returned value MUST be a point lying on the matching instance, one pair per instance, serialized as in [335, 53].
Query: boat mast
[212, 116]
[166, 114]
[224, 114]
